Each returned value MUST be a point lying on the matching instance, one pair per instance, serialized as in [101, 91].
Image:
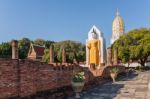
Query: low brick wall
[30, 79]
[8, 78]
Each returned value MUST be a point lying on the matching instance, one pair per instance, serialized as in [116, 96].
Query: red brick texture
[22, 78]
[8, 78]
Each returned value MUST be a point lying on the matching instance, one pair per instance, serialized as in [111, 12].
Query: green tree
[74, 50]
[134, 46]
[5, 50]
[39, 42]
[48, 43]
[24, 45]
[46, 56]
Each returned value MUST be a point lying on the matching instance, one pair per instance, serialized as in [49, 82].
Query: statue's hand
[88, 46]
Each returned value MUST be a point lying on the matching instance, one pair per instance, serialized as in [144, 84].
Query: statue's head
[93, 35]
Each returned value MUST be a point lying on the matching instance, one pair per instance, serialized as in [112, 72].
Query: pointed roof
[95, 30]
[39, 50]
[118, 27]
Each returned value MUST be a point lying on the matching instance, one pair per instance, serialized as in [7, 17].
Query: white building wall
[136, 64]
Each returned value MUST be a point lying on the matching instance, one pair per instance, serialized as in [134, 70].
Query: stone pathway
[133, 87]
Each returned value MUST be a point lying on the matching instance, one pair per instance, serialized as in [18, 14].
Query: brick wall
[21, 78]
[8, 78]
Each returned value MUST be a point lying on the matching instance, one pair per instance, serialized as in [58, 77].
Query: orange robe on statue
[93, 53]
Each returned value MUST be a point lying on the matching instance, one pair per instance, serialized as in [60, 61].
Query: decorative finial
[117, 12]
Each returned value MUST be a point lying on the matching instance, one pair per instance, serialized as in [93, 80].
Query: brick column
[109, 57]
[51, 52]
[75, 61]
[115, 61]
[14, 45]
[63, 56]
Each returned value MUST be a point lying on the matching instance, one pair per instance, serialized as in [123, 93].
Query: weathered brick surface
[8, 78]
[46, 78]
[28, 76]
[25, 78]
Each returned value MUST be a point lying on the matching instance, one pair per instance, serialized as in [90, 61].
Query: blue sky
[68, 19]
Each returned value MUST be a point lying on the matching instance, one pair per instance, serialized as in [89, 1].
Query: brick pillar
[115, 61]
[109, 57]
[63, 56]
[14, 44]
[75, 61]
[51, 52]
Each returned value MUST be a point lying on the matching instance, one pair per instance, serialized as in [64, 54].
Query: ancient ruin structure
[15, 54]
[115, 58]
[51, 52]
[63, 55]
[118, 29]
[109, 57]
[29, 79]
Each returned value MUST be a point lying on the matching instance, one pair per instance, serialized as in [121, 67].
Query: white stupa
[118, 28]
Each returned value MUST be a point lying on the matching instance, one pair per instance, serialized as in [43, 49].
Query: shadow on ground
[108, 90]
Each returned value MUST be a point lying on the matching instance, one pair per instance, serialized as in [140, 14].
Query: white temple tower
[118, 28]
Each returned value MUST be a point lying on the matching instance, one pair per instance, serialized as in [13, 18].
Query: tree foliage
[39, 42]
[5, 50]
[48, 43]
[135, 46]
[74, 50]
[24, 45]
[46, 56]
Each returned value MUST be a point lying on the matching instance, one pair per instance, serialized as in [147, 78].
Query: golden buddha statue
[93, 46]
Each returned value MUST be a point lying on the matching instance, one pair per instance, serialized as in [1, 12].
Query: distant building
[36, 52]
[118, 28]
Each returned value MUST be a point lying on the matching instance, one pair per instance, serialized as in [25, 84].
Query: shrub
[114, 70]
[78, 77]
